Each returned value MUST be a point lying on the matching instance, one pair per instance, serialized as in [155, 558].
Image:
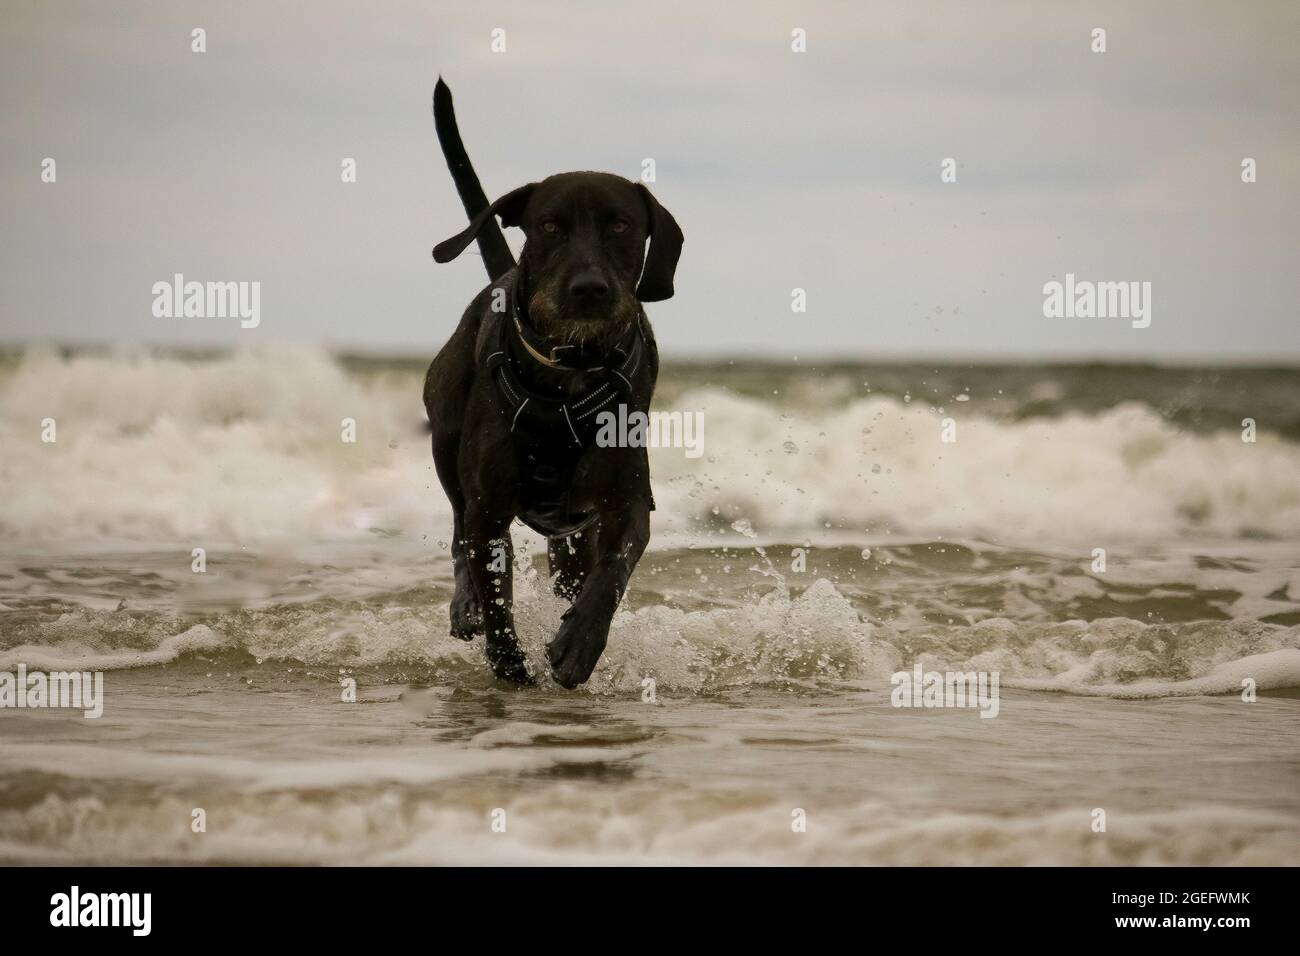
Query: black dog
[514, 397]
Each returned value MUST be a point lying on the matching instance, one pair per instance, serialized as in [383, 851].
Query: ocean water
[827, 538]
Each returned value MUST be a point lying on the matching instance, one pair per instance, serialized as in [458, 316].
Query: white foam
[246, 449]
[1276, 669]
[78, 656]
[243, 448]
[877, 463]
[777, 640]
[568, 824]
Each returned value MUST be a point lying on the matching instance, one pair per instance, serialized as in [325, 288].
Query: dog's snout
[588, 288]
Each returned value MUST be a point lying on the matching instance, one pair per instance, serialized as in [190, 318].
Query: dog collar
[573, 358]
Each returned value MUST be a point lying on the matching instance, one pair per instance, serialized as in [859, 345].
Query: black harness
[550, 435]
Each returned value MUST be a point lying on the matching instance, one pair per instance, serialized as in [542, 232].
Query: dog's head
[584, 264]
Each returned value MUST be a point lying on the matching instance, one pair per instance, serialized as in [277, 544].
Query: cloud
[818, 170]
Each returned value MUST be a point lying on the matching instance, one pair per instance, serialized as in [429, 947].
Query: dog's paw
[507, 660]
[466, 615]
[577, 646]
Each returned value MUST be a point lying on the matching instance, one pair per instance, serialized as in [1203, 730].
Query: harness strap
[549, 434]
[543, 419]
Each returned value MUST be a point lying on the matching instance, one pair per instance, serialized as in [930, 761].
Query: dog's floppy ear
[665, 249]
[509, 207]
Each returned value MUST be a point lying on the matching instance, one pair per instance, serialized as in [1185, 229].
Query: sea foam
[249, 448]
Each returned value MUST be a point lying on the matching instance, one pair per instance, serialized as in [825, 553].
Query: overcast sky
[816, 170]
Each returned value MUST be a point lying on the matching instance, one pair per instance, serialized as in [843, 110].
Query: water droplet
[744, 527]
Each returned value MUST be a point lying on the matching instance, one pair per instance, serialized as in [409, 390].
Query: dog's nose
[588, 288]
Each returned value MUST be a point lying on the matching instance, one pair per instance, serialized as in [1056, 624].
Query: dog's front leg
[570, 558]
[584, 629]
[490, 557]
[465, 612]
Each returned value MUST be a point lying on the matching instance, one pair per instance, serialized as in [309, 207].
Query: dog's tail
[497, 256]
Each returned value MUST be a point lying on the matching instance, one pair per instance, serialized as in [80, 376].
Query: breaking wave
[777, 641]
[247, 448]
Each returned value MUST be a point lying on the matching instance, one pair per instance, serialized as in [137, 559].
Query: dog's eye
[619, 227]
[551, 226]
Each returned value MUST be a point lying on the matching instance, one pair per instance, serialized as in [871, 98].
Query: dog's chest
[548, 500]
[564, 469]
[558, 424]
